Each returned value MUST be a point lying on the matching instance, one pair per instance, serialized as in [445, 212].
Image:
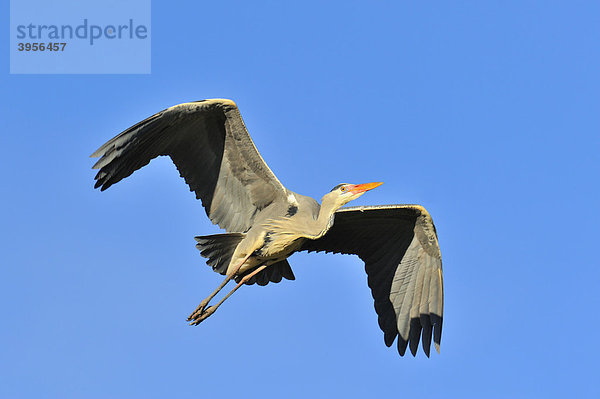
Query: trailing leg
[202, 307]
[197, 319]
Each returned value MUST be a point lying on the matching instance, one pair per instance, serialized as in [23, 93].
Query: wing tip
[402, 344]
[389, 337]
[412, 340]
[99, 152]
[224, 101]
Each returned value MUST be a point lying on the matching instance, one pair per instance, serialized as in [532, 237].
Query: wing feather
[210, 146]
[398, 244]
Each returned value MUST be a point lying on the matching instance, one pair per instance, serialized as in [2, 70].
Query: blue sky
[486, 113]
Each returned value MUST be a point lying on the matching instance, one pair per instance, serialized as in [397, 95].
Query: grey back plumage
[208, 142]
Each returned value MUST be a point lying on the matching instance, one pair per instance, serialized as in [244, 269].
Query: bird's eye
[343, 188]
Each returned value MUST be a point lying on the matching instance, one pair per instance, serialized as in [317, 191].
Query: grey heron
[265, 222]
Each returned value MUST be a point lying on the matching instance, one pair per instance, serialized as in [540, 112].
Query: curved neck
[326, 214]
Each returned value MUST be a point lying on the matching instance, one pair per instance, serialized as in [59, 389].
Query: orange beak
[361, 188]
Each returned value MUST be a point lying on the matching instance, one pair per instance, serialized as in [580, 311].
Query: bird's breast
[277, 245]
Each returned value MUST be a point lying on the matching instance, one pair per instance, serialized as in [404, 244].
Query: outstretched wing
[399, 246]
[208, 142]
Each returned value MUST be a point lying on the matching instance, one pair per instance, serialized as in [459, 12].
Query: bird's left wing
[208, 142]
[399, 246]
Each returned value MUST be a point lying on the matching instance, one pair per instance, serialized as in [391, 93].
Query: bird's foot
[200, 317]
[199, 310]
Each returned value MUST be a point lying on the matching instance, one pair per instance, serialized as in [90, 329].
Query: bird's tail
[218, 249]
[272, 273]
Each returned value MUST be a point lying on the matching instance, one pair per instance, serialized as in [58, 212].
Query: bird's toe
[199, 310]
[199, 317]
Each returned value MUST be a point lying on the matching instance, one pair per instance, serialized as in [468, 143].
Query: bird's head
[346, 192]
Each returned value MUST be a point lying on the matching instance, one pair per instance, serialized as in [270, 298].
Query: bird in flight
[265, 222]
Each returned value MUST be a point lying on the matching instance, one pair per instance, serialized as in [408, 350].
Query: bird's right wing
[208, 142]
[398, 244]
